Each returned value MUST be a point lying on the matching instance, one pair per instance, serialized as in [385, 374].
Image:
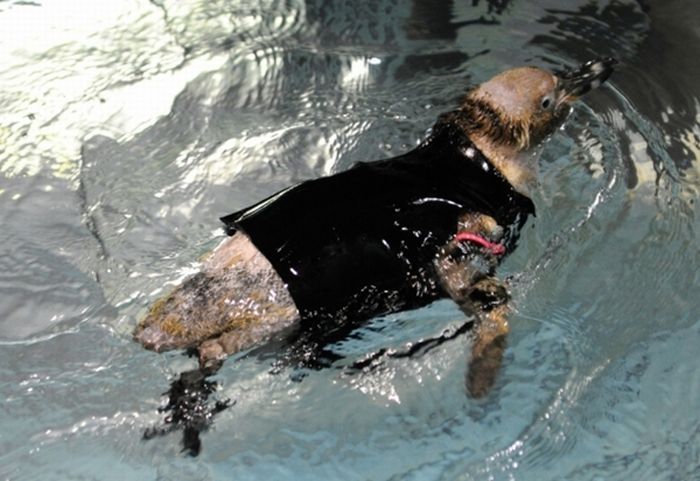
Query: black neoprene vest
[361, 242]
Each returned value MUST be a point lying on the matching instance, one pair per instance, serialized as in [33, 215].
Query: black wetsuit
[362, 242]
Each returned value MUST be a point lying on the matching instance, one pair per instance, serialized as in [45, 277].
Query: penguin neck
[519, 167]
[499, 140]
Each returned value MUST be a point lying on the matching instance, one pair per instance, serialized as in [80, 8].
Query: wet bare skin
[235, 302]
[469, 280]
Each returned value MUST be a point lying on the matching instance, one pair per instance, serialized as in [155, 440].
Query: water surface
[127, 128]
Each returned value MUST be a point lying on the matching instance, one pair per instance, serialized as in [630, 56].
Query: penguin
[384, 236]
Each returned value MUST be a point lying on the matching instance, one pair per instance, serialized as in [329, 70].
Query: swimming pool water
[127, 128]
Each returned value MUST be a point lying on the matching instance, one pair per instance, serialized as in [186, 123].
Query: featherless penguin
[384, 236]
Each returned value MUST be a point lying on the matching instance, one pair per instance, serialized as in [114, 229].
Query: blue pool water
[128, 127]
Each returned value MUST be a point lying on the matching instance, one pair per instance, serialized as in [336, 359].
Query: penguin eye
[546, 102]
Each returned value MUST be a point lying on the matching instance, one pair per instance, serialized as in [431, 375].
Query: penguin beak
[573, 83]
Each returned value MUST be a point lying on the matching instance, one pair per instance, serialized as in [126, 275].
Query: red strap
[493, 248]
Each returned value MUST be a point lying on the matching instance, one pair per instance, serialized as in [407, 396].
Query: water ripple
[128, 129]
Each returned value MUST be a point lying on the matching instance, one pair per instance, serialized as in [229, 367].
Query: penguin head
[521, 107]
[509, 116]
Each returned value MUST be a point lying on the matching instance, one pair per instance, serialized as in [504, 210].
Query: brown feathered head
[522, 106]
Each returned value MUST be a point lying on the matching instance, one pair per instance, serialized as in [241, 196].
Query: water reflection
[128, 128]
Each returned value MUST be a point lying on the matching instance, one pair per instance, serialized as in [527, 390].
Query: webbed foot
[188, 408]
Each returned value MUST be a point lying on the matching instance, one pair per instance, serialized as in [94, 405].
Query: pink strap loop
[493, 248]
